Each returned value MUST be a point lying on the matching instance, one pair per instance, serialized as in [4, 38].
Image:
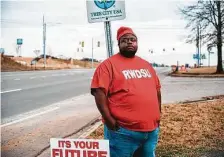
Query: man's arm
[101, 102]
[159, 99]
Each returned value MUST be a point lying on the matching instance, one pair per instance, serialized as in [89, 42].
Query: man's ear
[118, 42]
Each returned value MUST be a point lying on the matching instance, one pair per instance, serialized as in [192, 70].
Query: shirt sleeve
[102, 77]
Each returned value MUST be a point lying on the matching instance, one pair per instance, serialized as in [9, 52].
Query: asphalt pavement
[26, 91]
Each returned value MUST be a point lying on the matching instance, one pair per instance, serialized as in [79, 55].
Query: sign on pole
[79, 148]
[19, 41]
[106, 11]
[108, 38]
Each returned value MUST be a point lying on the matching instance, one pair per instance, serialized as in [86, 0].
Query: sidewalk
[30, 137]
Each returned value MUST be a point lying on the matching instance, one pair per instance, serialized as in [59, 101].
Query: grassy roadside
[197, 72]
[189, 130]
[8, 64]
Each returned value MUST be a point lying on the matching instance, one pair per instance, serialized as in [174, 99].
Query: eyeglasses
[126, 40]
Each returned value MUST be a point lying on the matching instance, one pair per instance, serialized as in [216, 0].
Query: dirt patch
[192, 129]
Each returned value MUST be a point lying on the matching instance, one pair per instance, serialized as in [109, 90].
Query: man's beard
[128, 53]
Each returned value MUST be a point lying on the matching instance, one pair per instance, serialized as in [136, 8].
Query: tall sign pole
[108, 36]
[19, 45]
[44, 41]
[106, 11]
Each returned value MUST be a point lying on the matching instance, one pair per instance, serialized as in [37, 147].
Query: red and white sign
[79, 148]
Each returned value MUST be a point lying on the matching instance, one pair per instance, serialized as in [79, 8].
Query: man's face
[128, 45]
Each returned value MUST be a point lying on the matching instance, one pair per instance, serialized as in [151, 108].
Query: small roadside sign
[19, 41]
[105, 10]
[79, 148]
[195, 56]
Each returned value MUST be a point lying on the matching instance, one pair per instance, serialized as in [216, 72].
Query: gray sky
[157, 24]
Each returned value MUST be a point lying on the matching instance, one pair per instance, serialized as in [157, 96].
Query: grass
[189, 130]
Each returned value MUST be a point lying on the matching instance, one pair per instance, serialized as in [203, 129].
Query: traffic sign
[19, 41]
[2, 50]
[105, 10]
[195, 56]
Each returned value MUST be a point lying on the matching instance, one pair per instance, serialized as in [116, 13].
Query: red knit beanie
[124, 30]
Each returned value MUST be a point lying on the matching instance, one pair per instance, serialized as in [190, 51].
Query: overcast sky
[157, 24]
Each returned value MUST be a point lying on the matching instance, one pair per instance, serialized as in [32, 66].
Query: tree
[209, 16]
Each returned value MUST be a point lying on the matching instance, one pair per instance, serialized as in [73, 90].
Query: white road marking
[43, 76]
[54, 75]
[17, 79]
[32, 77]
[41, 111]
[13, 90]
[28, 117]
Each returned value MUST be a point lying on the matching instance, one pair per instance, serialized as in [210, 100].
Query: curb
[197, 76]
[202, 99]
[90, 130]
[92, 122]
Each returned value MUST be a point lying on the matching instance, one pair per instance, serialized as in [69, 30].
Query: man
[127, 93]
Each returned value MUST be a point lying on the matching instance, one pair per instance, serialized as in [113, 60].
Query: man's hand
[111, 123]
[101, 102]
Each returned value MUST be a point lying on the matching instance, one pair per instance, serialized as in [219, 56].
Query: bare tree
[209, 16]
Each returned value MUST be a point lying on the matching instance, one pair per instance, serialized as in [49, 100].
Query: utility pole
[44, 41]
[200, 43]
[208, 59]
[92, 52]
[197, 44]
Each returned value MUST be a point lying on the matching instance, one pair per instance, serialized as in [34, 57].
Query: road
[25, 91]
[37, 106]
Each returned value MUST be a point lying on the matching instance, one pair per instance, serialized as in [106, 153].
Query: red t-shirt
[131, 86]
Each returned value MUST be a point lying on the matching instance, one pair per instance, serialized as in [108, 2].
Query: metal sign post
[106, 11]
[19, 45]
[108, 36]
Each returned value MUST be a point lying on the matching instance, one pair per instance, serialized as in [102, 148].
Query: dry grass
[10, 64]
[189, 129]
[203, 70]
